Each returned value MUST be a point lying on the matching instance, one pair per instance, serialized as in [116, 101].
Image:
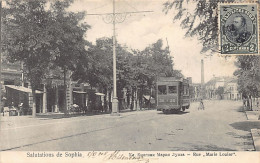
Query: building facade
[222, 88]
[231, 91]
[51, 96]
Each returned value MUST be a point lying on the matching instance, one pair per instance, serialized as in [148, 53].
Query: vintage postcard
[238, 28]
[134, 81]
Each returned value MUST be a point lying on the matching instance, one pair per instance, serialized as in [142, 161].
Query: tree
[43, 38]
[220, 92]
[27, 37]
[96, 67]
[100, 71]
[68, 32]
[202, 23]
[135, 70]
[150, 63]
[248, 74]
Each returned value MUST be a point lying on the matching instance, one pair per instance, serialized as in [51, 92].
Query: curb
[252, 116]
[256, 138]
[255, 133]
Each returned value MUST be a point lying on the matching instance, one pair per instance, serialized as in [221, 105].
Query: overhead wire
[130, 5]
[98, 7]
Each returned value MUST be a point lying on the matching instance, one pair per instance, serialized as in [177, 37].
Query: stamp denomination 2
[238, 27]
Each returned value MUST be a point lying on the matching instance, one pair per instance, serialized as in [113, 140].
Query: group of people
[12, 110]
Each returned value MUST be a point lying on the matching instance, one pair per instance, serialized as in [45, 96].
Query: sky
[140, 30]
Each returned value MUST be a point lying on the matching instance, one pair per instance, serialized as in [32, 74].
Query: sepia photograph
[129, 81]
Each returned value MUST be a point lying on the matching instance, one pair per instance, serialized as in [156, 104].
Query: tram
[172, 94]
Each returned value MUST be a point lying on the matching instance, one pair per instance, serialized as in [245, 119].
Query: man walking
[201, 106]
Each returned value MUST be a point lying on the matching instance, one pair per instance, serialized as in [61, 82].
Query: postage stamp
[238, 28]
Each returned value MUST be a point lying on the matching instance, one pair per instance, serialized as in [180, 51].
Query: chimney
[189, 79]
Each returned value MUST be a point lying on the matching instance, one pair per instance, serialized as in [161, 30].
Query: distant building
[11, 73]
[211, 87]
[222, 88]
[195, 91]
[231, 90]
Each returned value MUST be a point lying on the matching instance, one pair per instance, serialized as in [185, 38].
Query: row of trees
[136, 70]
[48, 39]
[202, 22]
[248, 74]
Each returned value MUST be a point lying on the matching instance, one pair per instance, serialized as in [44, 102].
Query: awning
[100, 94]
[81, 92]
[23, 89]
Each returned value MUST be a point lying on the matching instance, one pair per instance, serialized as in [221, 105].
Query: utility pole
[0, 54]
[116, 18]
[115, 109]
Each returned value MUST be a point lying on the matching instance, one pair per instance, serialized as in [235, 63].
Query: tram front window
[172, 89]
[162, 90]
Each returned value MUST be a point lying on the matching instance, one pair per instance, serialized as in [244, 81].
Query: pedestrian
[20, 109]
[201, 106]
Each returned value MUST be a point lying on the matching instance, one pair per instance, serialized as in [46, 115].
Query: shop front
[21, 98]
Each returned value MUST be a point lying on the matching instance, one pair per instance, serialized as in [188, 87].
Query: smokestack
[202, 80]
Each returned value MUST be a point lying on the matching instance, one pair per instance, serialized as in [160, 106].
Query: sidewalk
[256, 138]
[45, 118]
[254, 117]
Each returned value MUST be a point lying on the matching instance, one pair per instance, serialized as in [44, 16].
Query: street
[221, 126]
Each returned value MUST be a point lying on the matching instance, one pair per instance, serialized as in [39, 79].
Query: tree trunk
[141, 98]
[132, 99]
[128, 96]
[109, 101]
[149, 105]
[251, 107]
[34, 102]
[65, 91]
[105, 100]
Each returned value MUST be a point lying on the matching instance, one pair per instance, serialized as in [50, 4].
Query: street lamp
[115, 110]
[114, 18]
[0, 54]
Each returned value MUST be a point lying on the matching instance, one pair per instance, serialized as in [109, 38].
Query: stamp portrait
[238, 29]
